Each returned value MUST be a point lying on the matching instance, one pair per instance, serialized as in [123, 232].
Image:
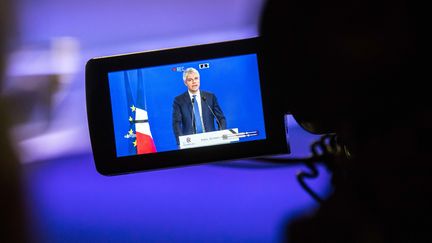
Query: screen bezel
[100, 121]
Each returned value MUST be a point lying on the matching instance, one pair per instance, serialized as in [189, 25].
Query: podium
[209, 138]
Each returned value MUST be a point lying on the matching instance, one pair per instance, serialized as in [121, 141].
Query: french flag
[144, 138]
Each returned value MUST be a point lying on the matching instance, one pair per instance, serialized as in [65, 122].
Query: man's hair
[188, 71]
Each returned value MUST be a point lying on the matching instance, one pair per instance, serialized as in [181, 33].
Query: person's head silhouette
[352, 68]
[12, 226]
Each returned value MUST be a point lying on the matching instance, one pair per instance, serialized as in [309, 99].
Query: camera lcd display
[181, 106]
[150, 104]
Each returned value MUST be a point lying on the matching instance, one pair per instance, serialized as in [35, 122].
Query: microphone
[217, 120]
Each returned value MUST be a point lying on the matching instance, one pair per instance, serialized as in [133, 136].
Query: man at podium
[195, 111]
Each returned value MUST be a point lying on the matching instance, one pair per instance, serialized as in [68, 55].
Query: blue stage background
[234, 80]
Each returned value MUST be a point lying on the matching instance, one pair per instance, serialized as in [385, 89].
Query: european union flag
[131, 133]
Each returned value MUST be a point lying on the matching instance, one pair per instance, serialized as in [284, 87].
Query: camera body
[138, 119]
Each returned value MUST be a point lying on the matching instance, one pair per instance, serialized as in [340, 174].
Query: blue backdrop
[234, 81]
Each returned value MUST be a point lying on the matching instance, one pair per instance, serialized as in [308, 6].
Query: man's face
[192, 82]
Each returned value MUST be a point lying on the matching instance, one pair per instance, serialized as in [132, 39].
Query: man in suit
[195, 111]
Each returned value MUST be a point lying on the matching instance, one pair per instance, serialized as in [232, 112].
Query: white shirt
[198, 100]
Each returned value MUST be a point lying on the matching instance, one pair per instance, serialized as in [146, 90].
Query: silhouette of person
[354, 70]
[12, 227]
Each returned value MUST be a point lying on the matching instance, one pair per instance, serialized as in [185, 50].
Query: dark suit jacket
[182, 114]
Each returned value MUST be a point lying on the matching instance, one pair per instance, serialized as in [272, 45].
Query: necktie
[198, 125]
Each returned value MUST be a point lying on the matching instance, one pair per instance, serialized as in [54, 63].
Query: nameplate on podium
[209, 138]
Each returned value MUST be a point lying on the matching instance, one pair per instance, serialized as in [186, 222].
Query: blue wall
[234, 80]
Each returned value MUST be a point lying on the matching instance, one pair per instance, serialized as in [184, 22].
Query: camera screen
[182, 106]
[186, 105]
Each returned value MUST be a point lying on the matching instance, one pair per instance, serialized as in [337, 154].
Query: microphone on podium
[211, 110]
